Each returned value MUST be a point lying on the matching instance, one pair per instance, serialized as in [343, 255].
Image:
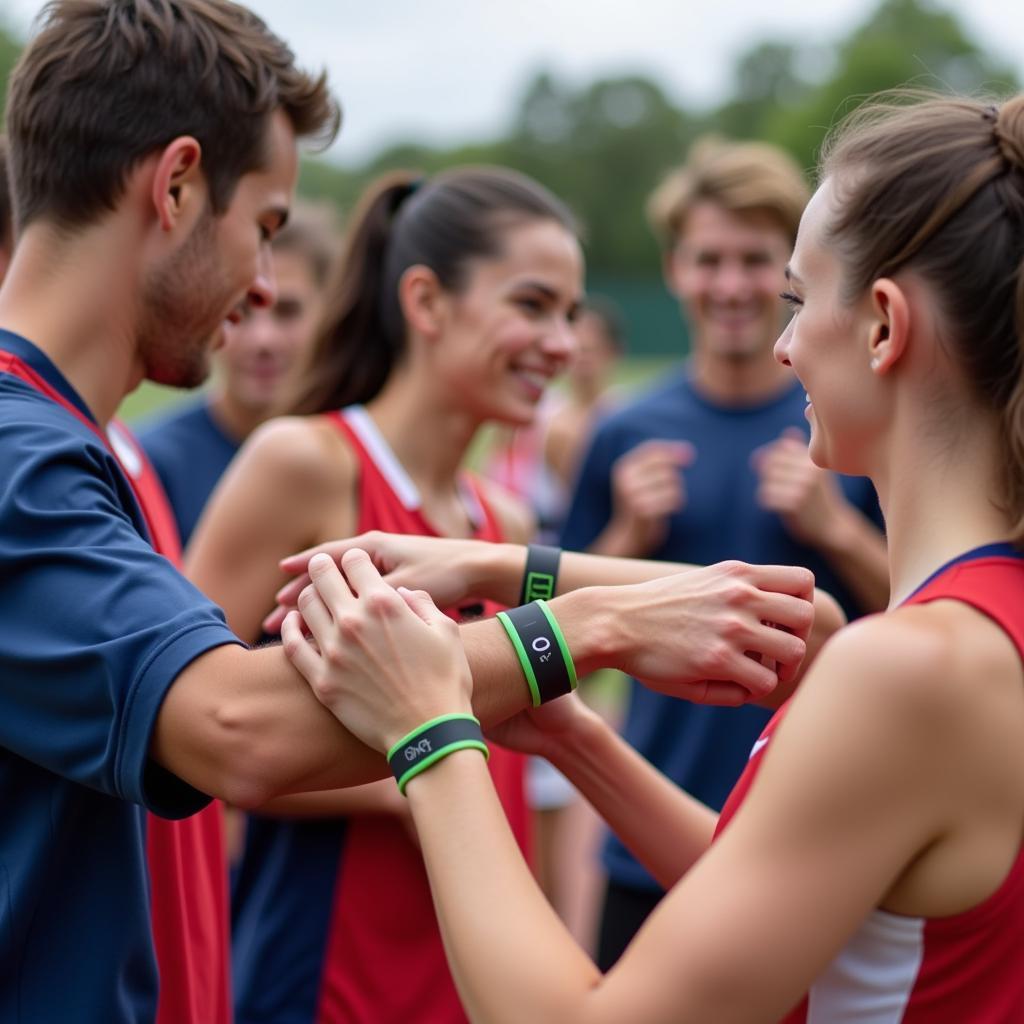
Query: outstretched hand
[382, 661]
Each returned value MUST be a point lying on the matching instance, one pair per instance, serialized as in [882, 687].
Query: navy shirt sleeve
[97, 625]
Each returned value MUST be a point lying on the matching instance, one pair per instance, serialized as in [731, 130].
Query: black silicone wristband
[432, 741]
[541, 573]
[545, 650]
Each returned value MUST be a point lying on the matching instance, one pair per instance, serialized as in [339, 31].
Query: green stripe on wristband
[524, 658]
[570, 666]
[429, 743]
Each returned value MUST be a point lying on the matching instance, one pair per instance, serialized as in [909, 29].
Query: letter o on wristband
[542, 651]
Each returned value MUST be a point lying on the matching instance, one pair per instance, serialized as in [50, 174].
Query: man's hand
[648, 488]
[384, 662]
[807, 498]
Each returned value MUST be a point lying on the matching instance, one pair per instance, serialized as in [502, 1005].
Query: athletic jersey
[97, 628]
[332, 919]
[951, 970]
[702, 748]
[187, 859]
[189, 451]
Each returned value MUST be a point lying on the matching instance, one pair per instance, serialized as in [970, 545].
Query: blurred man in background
[712, 463]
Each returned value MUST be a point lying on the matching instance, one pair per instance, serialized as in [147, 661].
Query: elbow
[244, 766]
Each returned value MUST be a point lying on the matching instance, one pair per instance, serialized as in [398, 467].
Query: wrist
[577, 743]
[591, 630]
[497, 571]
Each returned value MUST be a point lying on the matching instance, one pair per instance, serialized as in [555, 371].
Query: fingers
[297, 563]
[299, 650]
[422, 604]
[361, 573]
[794, 580]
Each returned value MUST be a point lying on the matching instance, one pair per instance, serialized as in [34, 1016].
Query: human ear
[422, 300]
[177, 186]
[889, 324]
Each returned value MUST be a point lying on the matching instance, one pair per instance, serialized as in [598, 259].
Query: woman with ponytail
[869, 865]
[452, 308]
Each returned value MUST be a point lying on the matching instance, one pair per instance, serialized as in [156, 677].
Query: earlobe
[890, 325]
[177, 182]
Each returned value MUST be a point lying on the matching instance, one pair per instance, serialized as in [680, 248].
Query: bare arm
[276, 495]
[453, 570]
[665, 828]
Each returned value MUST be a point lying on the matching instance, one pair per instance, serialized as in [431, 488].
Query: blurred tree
[9, 50]
[904, 42]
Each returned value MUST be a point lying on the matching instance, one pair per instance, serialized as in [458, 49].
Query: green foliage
[9, 50]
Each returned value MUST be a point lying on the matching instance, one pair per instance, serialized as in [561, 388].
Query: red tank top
[385, 962]
[187, 874]
[952, 970]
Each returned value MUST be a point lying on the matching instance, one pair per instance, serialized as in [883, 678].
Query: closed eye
[790, 299]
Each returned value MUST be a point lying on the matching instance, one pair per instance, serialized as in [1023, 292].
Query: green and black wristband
[542, 651]
[540, 574]
[429, 743]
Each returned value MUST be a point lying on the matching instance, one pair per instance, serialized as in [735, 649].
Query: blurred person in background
[713, 462]
[452, 308]
[191, 446]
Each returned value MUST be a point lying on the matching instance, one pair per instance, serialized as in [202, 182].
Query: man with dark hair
[152, 155]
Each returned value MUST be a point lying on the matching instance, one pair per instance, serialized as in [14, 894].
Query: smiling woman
[452, 307]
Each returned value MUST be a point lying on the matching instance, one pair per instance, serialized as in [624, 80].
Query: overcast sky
[450, 70]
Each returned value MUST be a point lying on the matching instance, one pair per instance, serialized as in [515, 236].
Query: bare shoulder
[940, 663]
[304, 452]
[517, 521]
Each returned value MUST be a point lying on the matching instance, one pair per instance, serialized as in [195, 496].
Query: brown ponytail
[444, 224]
[936, 185]
[354, 351]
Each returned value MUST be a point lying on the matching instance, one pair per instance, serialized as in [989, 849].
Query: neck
[739, 381]
[236, 420]
[426, 433]
[939, 499]
[75, 299]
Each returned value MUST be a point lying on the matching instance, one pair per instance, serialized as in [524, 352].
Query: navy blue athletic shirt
[96, 628]
[702, 749]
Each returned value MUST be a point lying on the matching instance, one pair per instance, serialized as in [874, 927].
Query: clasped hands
[382, 657]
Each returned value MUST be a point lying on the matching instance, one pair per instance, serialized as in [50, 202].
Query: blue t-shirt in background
[189, 451]
[702, 749]
[97, 626]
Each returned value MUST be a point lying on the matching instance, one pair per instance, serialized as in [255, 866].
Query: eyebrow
[791, 274]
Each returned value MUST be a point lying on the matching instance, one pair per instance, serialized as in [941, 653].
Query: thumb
[794, 434]
[423, 605]
[685, 453]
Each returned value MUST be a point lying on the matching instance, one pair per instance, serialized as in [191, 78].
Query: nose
[263, 290]
[560, 342]
[731, 280]
[781, 350]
